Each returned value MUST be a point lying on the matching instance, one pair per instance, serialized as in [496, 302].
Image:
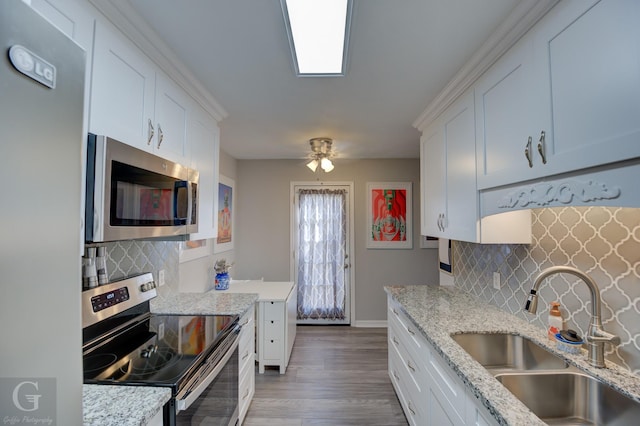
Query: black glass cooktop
[161, 350]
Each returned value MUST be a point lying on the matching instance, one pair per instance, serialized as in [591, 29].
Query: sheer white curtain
[321, 254]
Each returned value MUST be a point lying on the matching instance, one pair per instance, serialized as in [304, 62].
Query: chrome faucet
[597, 337]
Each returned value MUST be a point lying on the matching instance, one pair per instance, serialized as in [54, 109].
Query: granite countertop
[213, 302]
[441, 311]
[105, 405]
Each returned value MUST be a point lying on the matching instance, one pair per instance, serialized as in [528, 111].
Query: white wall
[263, 227]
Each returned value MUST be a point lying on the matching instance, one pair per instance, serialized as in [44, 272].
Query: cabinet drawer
[273, 311]
[447, 385]
[273, 349]
[247, 357]
[407, 331]
[411, 368]
[412, 401]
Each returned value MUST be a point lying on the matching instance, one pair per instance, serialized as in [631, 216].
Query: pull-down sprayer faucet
[596, 337]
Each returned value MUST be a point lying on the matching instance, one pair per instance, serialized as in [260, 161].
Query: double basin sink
[559, 394]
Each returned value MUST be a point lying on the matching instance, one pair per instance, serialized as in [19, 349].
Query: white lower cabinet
[428, 390]
[246, 367]
[277, 330]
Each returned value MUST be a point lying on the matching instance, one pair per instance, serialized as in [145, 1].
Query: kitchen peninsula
[275, 319]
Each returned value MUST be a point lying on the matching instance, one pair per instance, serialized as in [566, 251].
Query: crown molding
[525, 15]
[133, 26]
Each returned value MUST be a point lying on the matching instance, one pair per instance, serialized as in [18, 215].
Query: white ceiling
[401, 54]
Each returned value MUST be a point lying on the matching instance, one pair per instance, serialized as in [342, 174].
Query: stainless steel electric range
[195, 356]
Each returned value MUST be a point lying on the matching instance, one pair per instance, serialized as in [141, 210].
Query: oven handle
[188, 396]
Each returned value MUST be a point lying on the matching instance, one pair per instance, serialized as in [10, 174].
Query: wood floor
[337, 375]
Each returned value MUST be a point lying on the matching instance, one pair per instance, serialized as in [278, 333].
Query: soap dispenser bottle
[556, 323]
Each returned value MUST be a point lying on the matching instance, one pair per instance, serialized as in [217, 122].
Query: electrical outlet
[496, 280]
[161, 277]
[161, 331]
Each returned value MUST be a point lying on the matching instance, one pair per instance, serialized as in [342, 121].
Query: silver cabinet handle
[395, 341]
[396, 375]
[160, 135]
[246, 394]
[245, 356]
[411, 331]
[150, 133]
[527, 152]
[411, 367]
[542, 147]
[411, 408]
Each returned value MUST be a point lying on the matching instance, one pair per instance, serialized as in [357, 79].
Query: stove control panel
[105, 301]
[111, 298]
[147, 286]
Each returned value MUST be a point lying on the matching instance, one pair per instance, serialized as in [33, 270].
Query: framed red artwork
[389, 220]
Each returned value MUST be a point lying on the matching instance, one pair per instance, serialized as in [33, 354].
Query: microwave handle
[190, 202]
[177, 218]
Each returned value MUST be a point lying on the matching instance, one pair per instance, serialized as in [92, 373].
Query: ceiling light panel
[318, 32]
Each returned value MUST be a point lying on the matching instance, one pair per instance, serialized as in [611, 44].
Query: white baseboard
[370, 324]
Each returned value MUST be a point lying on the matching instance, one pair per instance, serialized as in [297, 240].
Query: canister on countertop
[101, 265]
[89, 271]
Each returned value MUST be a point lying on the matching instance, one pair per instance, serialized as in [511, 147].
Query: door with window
[321, 246]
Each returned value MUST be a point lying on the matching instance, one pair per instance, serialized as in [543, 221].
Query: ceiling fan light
[313, 165]
[326, 165]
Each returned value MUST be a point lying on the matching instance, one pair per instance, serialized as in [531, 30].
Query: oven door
[211, 396]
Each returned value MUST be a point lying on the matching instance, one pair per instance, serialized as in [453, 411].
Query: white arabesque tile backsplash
[602, 242]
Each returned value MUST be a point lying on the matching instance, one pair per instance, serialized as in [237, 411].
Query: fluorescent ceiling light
[318, 32]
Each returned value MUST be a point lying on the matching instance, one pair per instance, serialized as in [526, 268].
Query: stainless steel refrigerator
[41, 108]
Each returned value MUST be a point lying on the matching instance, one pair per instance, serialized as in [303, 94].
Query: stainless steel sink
[571, 398]
[499, 352]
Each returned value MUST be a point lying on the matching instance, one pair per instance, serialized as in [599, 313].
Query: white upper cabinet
[587, 57]
[448, 156]
[506, 117]
[204, 138]
[123, 90]
[450, 200]
[134, 102]
[172, 109]
[432, 183]
[565, 98]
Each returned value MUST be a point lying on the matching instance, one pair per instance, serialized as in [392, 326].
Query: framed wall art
[389, 220]
[226, 210]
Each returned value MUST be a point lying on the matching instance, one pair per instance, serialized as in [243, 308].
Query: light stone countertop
[441, 311]
[213, 302]
[105, 405]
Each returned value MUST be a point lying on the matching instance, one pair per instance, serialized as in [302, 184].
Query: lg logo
[32, 399]
[33, 66]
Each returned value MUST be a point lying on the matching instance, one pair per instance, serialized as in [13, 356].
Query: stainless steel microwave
[132, 194]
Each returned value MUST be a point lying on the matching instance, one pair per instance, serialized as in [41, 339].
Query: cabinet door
[588, 59]
[506, 118]
[171, 114]
[122, 90]
[432, 175]
[461, 216]
[439, 412]
[203, 136]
